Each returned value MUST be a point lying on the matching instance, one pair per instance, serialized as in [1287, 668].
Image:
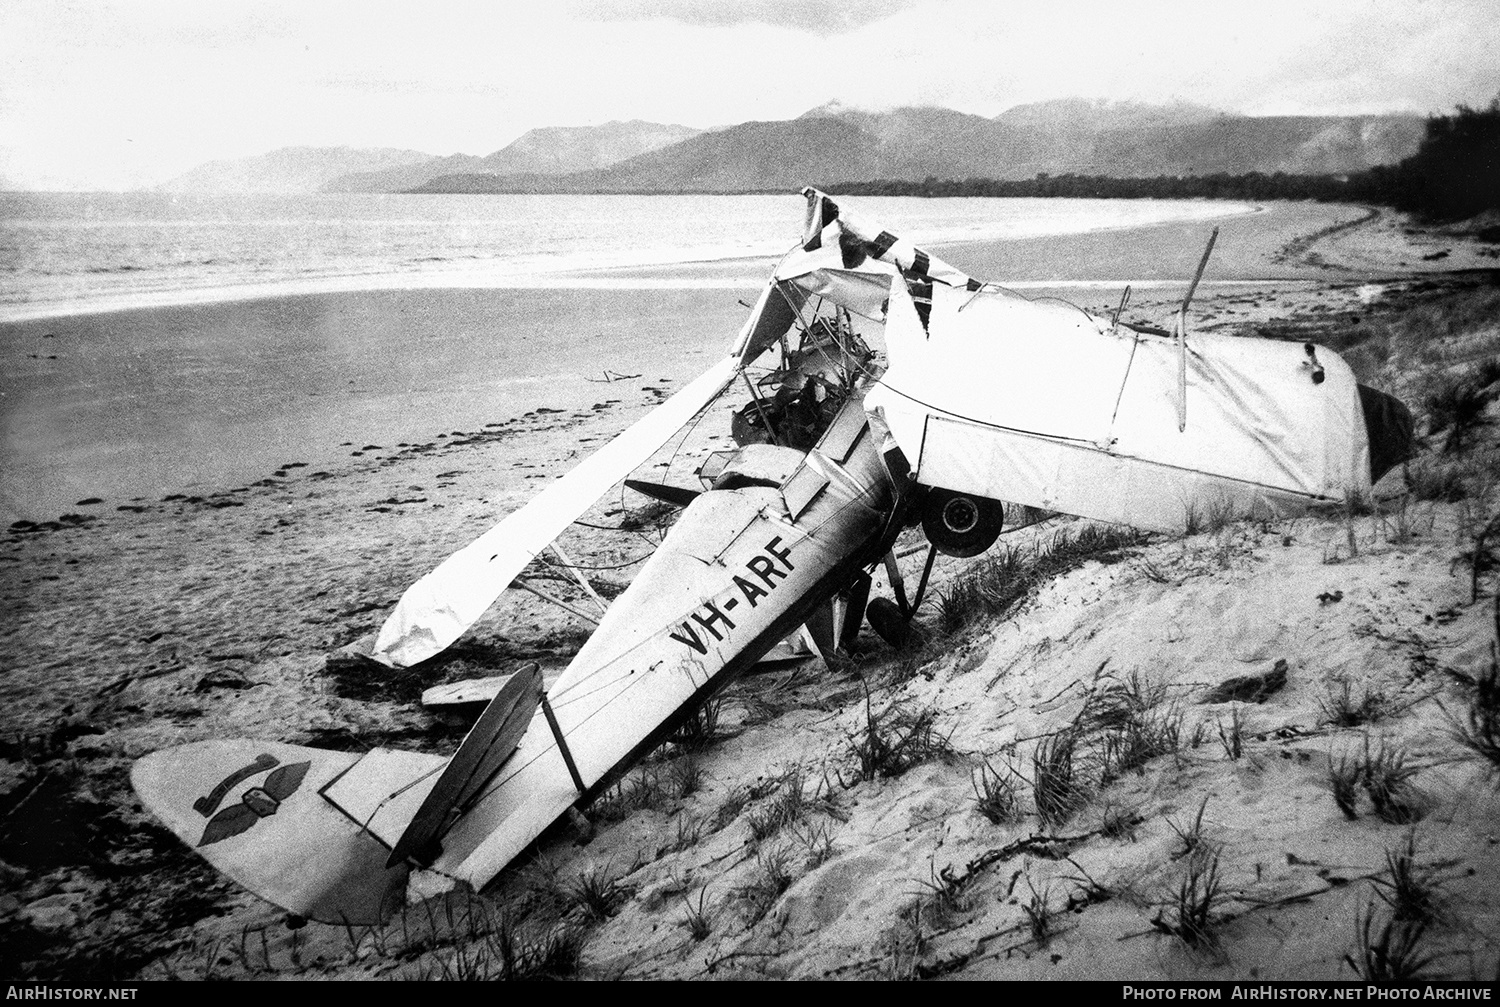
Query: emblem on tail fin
[207, 804]
[255, 804]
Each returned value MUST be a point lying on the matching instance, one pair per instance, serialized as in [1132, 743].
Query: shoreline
[474, 266]
[718, 271]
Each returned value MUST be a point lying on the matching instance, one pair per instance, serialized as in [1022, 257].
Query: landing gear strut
[891, 620]
[956, 524]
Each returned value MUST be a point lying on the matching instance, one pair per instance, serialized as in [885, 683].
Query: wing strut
[562, 745]
[1182, 334]
[583, 581]
[552, 599]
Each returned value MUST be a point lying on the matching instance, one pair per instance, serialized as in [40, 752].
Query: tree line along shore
[1454, 175]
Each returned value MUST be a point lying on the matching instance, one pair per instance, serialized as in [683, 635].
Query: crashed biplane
[988, 408]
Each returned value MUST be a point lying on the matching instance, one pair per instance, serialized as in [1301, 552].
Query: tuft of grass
[684, 776]
[689, 832]
[789, 802]
[699, 921]
[1394, 954]
[1090, 891]
[555, 956]
[1200, 734]
[994, 795]
[1057, 786]
[1116, 822]
[1387, 780]
[1141, 739]
[504, 955]
[1440, 479]
[1341, 707]
[701, 729]
[596, 894]
[1413, 892]
[904, 944]
[1041, 916]
[772, 877]
[1385, 777]
[950, 895]
[1477, 729]
[730, 809]
[817, 839]
[1218, 513]
[467, 963]
[991, 586]
[1192, 520]
[1457, 405]
[988, 587]
[1190, 916]
[1191, 838]
[1120, 703]
[1233, 738]
[638, 792]
[1344, 777]
[897, 739]
[1400, 524]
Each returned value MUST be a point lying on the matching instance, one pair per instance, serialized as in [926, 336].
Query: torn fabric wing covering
[437, 609]
[830, 227]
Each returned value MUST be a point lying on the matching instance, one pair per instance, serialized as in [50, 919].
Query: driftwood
[1250, 688]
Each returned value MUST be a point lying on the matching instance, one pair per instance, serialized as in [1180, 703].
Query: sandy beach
[130, 406]
[200, 594]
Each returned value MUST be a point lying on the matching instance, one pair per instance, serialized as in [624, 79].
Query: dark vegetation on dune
[1455, 174]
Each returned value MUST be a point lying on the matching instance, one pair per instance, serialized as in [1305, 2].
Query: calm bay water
[68, 253]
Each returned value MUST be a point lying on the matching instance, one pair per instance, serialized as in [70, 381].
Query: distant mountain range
[557, 150]
[836, 143]
[553, 150]
[291, 169]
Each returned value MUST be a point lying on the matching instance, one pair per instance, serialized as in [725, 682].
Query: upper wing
[437, 609]
[1042, 404]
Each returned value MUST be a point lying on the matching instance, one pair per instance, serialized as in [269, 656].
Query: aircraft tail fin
[261, 812]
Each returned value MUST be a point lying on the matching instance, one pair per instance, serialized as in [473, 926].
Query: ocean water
[153, 344]
[70, 253]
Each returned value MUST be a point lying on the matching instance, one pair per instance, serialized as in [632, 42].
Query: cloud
[1423, 56]
[826, 17]
[128, 91]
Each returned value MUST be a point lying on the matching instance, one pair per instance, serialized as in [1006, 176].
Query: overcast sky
[124, 93]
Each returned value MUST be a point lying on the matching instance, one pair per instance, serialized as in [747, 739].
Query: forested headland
[1454, 175]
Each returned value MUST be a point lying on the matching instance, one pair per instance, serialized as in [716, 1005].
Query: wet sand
[131, 406]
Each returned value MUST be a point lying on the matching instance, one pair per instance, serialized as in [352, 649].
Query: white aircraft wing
[1042, 404]
[437, 609]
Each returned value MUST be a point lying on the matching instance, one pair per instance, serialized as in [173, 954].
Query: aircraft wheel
[960, 524]
[885, 619]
